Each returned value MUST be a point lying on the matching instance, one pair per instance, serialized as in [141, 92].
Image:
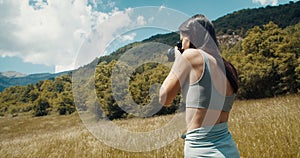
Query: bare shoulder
[193, 56]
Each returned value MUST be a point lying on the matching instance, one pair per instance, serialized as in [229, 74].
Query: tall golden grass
[261, 128]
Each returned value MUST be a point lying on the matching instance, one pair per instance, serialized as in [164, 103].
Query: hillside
[168, 39]
[242, 20]
[239, 22]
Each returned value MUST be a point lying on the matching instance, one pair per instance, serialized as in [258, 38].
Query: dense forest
[240, 21]
[267, 60]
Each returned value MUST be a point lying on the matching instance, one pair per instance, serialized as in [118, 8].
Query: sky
[39, 36]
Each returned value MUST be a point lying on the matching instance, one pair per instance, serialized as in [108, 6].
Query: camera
[171, 51]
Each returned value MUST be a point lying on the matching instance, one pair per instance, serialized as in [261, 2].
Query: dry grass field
[261, 128]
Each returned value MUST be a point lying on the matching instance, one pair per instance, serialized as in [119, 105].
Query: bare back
[199, 117]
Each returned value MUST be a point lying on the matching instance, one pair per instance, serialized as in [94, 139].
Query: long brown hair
[191, 28]
[231, 75]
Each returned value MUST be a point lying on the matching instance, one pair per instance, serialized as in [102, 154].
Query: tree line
[43, 98]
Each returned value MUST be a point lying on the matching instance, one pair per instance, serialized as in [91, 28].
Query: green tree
[103, 85]
[268, 64]
[41, 107]
[65, 104]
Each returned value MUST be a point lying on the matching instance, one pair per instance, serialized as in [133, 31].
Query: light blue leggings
[210, 141]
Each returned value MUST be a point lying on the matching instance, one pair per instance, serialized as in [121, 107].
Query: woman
[208, 84]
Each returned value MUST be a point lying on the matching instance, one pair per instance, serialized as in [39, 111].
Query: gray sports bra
[203, 94]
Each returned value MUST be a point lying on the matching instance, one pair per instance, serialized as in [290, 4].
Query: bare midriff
[200, 117]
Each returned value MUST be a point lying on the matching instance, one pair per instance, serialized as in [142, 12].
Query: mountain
[12, 74]
[240, 21]
[12, 78]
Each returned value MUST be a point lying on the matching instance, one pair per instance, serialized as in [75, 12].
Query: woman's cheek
[185, 44]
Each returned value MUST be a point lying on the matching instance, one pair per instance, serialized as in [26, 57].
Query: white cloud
[141, 20]
[128, 37]
[52, 33]
[266, 2]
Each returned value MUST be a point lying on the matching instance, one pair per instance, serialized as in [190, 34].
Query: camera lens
[171, 51]
[171, 54]
[179, 46]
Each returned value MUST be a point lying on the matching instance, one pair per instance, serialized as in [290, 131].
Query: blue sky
[45, 35]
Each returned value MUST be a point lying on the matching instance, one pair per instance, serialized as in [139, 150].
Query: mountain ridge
[12, 74]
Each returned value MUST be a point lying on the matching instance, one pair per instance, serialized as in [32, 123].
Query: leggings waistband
[207, 131]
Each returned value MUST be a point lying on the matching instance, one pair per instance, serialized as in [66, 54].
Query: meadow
[261, 128]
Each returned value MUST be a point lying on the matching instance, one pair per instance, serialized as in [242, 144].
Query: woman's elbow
[163, 98]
